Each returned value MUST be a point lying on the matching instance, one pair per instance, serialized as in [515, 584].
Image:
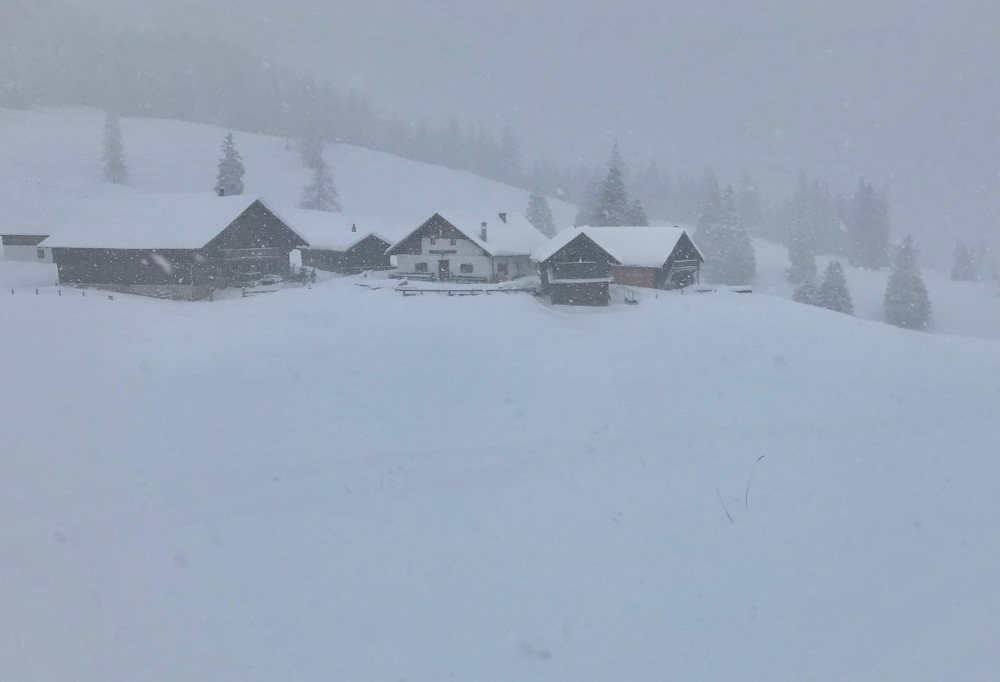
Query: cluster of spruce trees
[862, 234]
[318, 195]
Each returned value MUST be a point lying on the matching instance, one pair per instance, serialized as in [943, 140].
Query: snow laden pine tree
[833, 293]
[320, 194]
[229, 180]
[963, 268]
[906, 301]
[728, 250]
[311, 148]
[805, 293]
[636, 214]
[114, 151]
[611, 208]
[869, 233]
[540, 215]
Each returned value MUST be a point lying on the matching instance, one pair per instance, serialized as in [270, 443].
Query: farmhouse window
[420, 267]
[41, 253]
[452, 240]
[465, 268]
[433, 241]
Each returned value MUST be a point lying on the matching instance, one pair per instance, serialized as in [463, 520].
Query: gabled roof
[333, 231]
[515, 237]
[636, 246]
[161, 221]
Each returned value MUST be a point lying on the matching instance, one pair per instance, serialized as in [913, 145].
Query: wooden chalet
[173, 246]
[579, 264]
[26, 248]
[466, 247]
[340, 243]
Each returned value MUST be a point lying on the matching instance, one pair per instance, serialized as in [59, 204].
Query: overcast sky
[905, 92]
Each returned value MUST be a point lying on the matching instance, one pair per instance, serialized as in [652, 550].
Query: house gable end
[434, 227]
[684, 250]
[256, 227]
[585, 247]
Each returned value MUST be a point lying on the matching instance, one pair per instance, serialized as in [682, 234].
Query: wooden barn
[340, 243]
[578, 264]
[173, 246]
[25, 248]
[466, 247]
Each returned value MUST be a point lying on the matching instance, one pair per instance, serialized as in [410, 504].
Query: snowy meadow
[343, 483]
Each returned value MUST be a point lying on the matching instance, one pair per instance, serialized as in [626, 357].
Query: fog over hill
[903, 93]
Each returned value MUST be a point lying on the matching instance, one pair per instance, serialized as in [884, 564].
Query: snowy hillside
[346, 484]
[962, 308]
[51, 157]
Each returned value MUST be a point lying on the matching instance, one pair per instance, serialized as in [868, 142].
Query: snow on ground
[51, 157]
[962, 308]
[339, 483]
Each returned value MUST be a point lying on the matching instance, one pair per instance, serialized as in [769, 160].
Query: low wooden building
[467, 247]
[174, 246]
[26, 248]
[578, 264]
[340, 243]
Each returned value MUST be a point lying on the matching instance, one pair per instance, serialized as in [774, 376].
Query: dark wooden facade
[256, 243]
[578, 274]
[367, 254]
[22, 239]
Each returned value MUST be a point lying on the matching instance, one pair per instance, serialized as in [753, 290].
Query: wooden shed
[174, 246]
[577, 265]
[340, 243]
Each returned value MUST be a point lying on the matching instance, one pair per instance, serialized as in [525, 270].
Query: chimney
[503, 218]
[482, 231]
[354, 228]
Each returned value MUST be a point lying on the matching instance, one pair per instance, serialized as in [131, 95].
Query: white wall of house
[466, 252]
[27, 254]
[482, 266]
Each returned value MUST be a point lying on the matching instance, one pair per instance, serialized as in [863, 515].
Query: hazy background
[905, 93]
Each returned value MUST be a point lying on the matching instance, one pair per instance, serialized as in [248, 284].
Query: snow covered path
[339, 483]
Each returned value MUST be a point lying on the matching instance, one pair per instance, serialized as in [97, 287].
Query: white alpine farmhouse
[462, 246]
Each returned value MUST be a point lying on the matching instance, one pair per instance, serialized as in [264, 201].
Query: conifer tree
[728, 250]
[833, 293]
[229, 180]
[320, 194]
[906, 301]
[806, 293]
[611, 207]
[311, 147]
[869, 234]
[540, 215]
[114, 151]
[963, 267]
[636, 214]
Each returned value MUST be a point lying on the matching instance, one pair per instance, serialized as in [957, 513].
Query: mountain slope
[52, 157]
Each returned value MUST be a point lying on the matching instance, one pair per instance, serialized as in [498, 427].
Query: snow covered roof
[639, 246]
[515, 237]
[153, 221]
[333, 231]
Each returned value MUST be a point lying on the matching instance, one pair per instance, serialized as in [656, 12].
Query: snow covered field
[51, 158]
[346, 484]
